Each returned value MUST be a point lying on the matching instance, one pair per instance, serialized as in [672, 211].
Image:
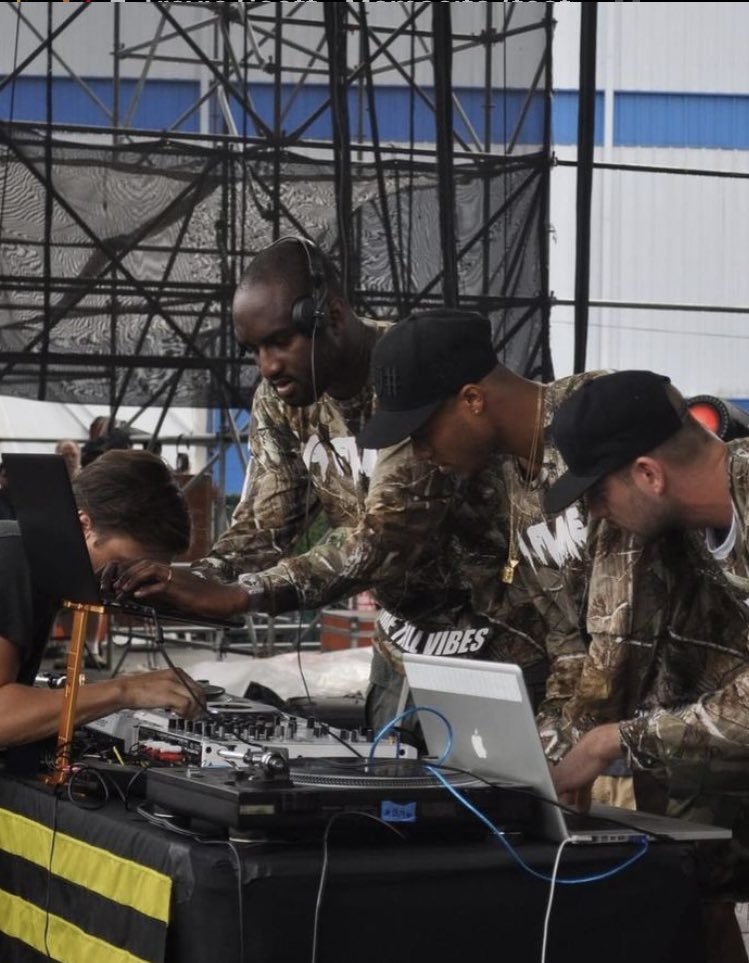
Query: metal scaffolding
[122, 237]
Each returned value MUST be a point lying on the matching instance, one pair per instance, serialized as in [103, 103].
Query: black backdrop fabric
[384, 898]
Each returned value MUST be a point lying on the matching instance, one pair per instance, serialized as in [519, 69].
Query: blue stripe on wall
[564, 117]
[160, 104]
[163, 101]
[681, 120]
[641, 119]
[647, 119]
[398, 113]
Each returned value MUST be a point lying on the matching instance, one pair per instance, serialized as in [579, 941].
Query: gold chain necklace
[508, 571]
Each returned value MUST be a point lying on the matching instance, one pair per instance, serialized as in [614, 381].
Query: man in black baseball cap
[419, 364]
[665, 689]
[439, 383]
[641, 461]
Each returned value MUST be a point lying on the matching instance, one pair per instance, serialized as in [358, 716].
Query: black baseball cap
[606, 424]
[421, 362]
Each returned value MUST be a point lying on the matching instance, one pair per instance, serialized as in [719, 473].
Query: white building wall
[86, 46]
[659, 238]
[693, 47]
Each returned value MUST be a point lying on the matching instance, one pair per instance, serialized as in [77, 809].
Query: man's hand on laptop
[587, 759]
[156, 583]
[579, 799]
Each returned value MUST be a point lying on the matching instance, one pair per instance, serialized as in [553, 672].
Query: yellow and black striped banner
[66, 899]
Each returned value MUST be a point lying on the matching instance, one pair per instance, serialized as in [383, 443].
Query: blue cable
[575, 881]
[516, 856]
[404, 715]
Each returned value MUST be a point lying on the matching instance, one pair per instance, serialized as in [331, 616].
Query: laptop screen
[54, 544]
[51, 531]
[493, 730]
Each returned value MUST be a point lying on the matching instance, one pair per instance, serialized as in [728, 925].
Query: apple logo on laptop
[478, 744]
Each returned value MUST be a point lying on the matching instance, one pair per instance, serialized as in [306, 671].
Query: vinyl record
[371, 773]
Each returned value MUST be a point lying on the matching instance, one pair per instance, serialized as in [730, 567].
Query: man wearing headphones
[316, 393]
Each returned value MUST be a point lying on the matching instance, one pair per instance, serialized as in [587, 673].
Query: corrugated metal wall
[674, 91]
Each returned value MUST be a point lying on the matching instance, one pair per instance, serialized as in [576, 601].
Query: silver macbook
[494, 736]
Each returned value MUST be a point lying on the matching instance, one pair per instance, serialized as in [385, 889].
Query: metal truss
[121, 243]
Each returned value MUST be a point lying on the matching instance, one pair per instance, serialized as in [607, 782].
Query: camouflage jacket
[383, 510]
[733, 561]
[670, 648]
[669, 655]
[537, 620]
[550, 582]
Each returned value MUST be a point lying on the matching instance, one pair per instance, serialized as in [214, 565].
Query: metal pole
[585, 150]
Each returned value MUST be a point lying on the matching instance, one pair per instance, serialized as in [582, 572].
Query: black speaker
[308, 312]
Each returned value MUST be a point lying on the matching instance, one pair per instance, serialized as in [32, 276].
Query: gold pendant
[508, 572]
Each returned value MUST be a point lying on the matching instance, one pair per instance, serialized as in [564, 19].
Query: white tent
[35, 426]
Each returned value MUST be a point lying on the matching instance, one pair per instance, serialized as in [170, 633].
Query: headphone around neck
[308, 313]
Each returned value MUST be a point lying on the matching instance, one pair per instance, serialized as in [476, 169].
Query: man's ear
[648, 475]
[85, 519]
[472, 399]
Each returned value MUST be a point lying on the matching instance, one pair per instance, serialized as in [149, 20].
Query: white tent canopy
[35, 426]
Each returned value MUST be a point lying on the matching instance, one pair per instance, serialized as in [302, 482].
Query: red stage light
[707, 415]
[725, 419]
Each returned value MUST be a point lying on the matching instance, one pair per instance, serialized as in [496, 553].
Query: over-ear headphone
[308, 313]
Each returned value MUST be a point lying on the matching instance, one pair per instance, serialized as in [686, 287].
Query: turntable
[310, 792]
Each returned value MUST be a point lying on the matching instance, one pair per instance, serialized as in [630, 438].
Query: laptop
[53, 540]
[494, 736]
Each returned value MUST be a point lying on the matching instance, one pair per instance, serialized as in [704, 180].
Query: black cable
[298, 647]
[324, 870]
[48, 889]
[350, 746]
[165, 822]
[191, 687]
[76, 774]
[131, 784]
